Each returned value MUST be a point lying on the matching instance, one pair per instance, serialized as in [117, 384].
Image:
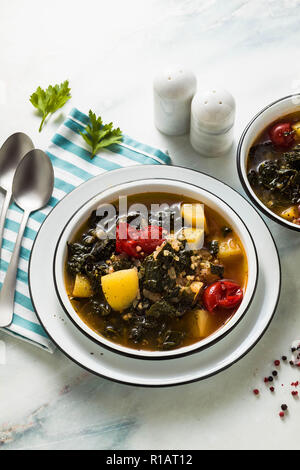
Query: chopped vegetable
[229, 249]
[193, 215]
[279, 176]
[291, 213]
[224, 293]
[194, 237]
[213, 247]
[205, 323]
[50, 100]
[226, 231]
[160, 308]
[296, 128]
[82, 287]
[138, 243]
[120, 288]
[98, 135]
[282, 135]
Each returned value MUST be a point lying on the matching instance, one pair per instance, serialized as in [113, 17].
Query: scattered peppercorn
[281, 414]
[291, 363]
[294, 393]
[274, 373]
[270, 378]
[277, 363]
[266, 380]
[272, 389]
[293, 349]
[284, 358]
[284, 407]
[256, 391]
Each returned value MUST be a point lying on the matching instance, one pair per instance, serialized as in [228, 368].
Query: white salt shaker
[212, 122]
[173, 91]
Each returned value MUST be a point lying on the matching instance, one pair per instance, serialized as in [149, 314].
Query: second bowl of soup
[155, 269]
[268, 160]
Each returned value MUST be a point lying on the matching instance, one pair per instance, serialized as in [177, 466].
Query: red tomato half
[223, 293]
[133, 242]
[282, 135]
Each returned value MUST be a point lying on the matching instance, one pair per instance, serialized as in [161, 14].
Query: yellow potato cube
[205, 323]
[120, 288]
[82, 287]
[193, 215]
[229, 249]
[194, 237]
[291, 213]
[296, 128]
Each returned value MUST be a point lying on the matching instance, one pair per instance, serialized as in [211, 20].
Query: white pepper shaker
[212, 122]
[173, 92]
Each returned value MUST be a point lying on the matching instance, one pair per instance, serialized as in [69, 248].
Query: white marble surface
[110, 52]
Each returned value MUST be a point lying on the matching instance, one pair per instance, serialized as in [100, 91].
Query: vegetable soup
[161, 292]
[274, 167]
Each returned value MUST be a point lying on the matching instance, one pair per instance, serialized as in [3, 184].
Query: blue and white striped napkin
[72, 166]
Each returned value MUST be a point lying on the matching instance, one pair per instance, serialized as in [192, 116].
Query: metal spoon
[32, 188]
[11, 153]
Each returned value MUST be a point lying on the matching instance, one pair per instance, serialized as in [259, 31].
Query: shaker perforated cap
[213, 110]
[175, 83]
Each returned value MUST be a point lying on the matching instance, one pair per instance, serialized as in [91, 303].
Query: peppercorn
[276, 363]
[256, 391]
[291, 363]
[284, 358]
[294, 393]
[293, 349]
[270, 378]
[272, 389]
[284, 407]
[281, 414]
[266, 380]
[274, 373]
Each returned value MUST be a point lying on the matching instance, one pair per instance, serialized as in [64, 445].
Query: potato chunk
[194, 237]
[120, 288]
[82, 287]
[291, 213]
[205, 323]
[229, 249]
[296, 128]
[193, 215]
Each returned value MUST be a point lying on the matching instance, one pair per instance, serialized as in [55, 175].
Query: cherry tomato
[224, 293]
[282, 135]
[137, 243]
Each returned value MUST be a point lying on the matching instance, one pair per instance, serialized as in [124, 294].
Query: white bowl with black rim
[274, 111]
[155, 186]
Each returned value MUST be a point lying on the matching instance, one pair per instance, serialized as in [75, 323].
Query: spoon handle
[7, 294]
[4, 210]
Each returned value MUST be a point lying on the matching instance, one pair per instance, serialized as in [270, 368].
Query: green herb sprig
[50, 100]
[99, 136]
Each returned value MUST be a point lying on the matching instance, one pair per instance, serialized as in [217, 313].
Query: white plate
[123, 369]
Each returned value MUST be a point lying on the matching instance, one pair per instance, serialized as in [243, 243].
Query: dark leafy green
[280, 176]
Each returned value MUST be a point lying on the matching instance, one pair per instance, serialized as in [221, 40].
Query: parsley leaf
[98, 135]
[50, 100]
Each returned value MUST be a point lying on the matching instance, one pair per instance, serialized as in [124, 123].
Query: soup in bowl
[268, 159]
[155, 269]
